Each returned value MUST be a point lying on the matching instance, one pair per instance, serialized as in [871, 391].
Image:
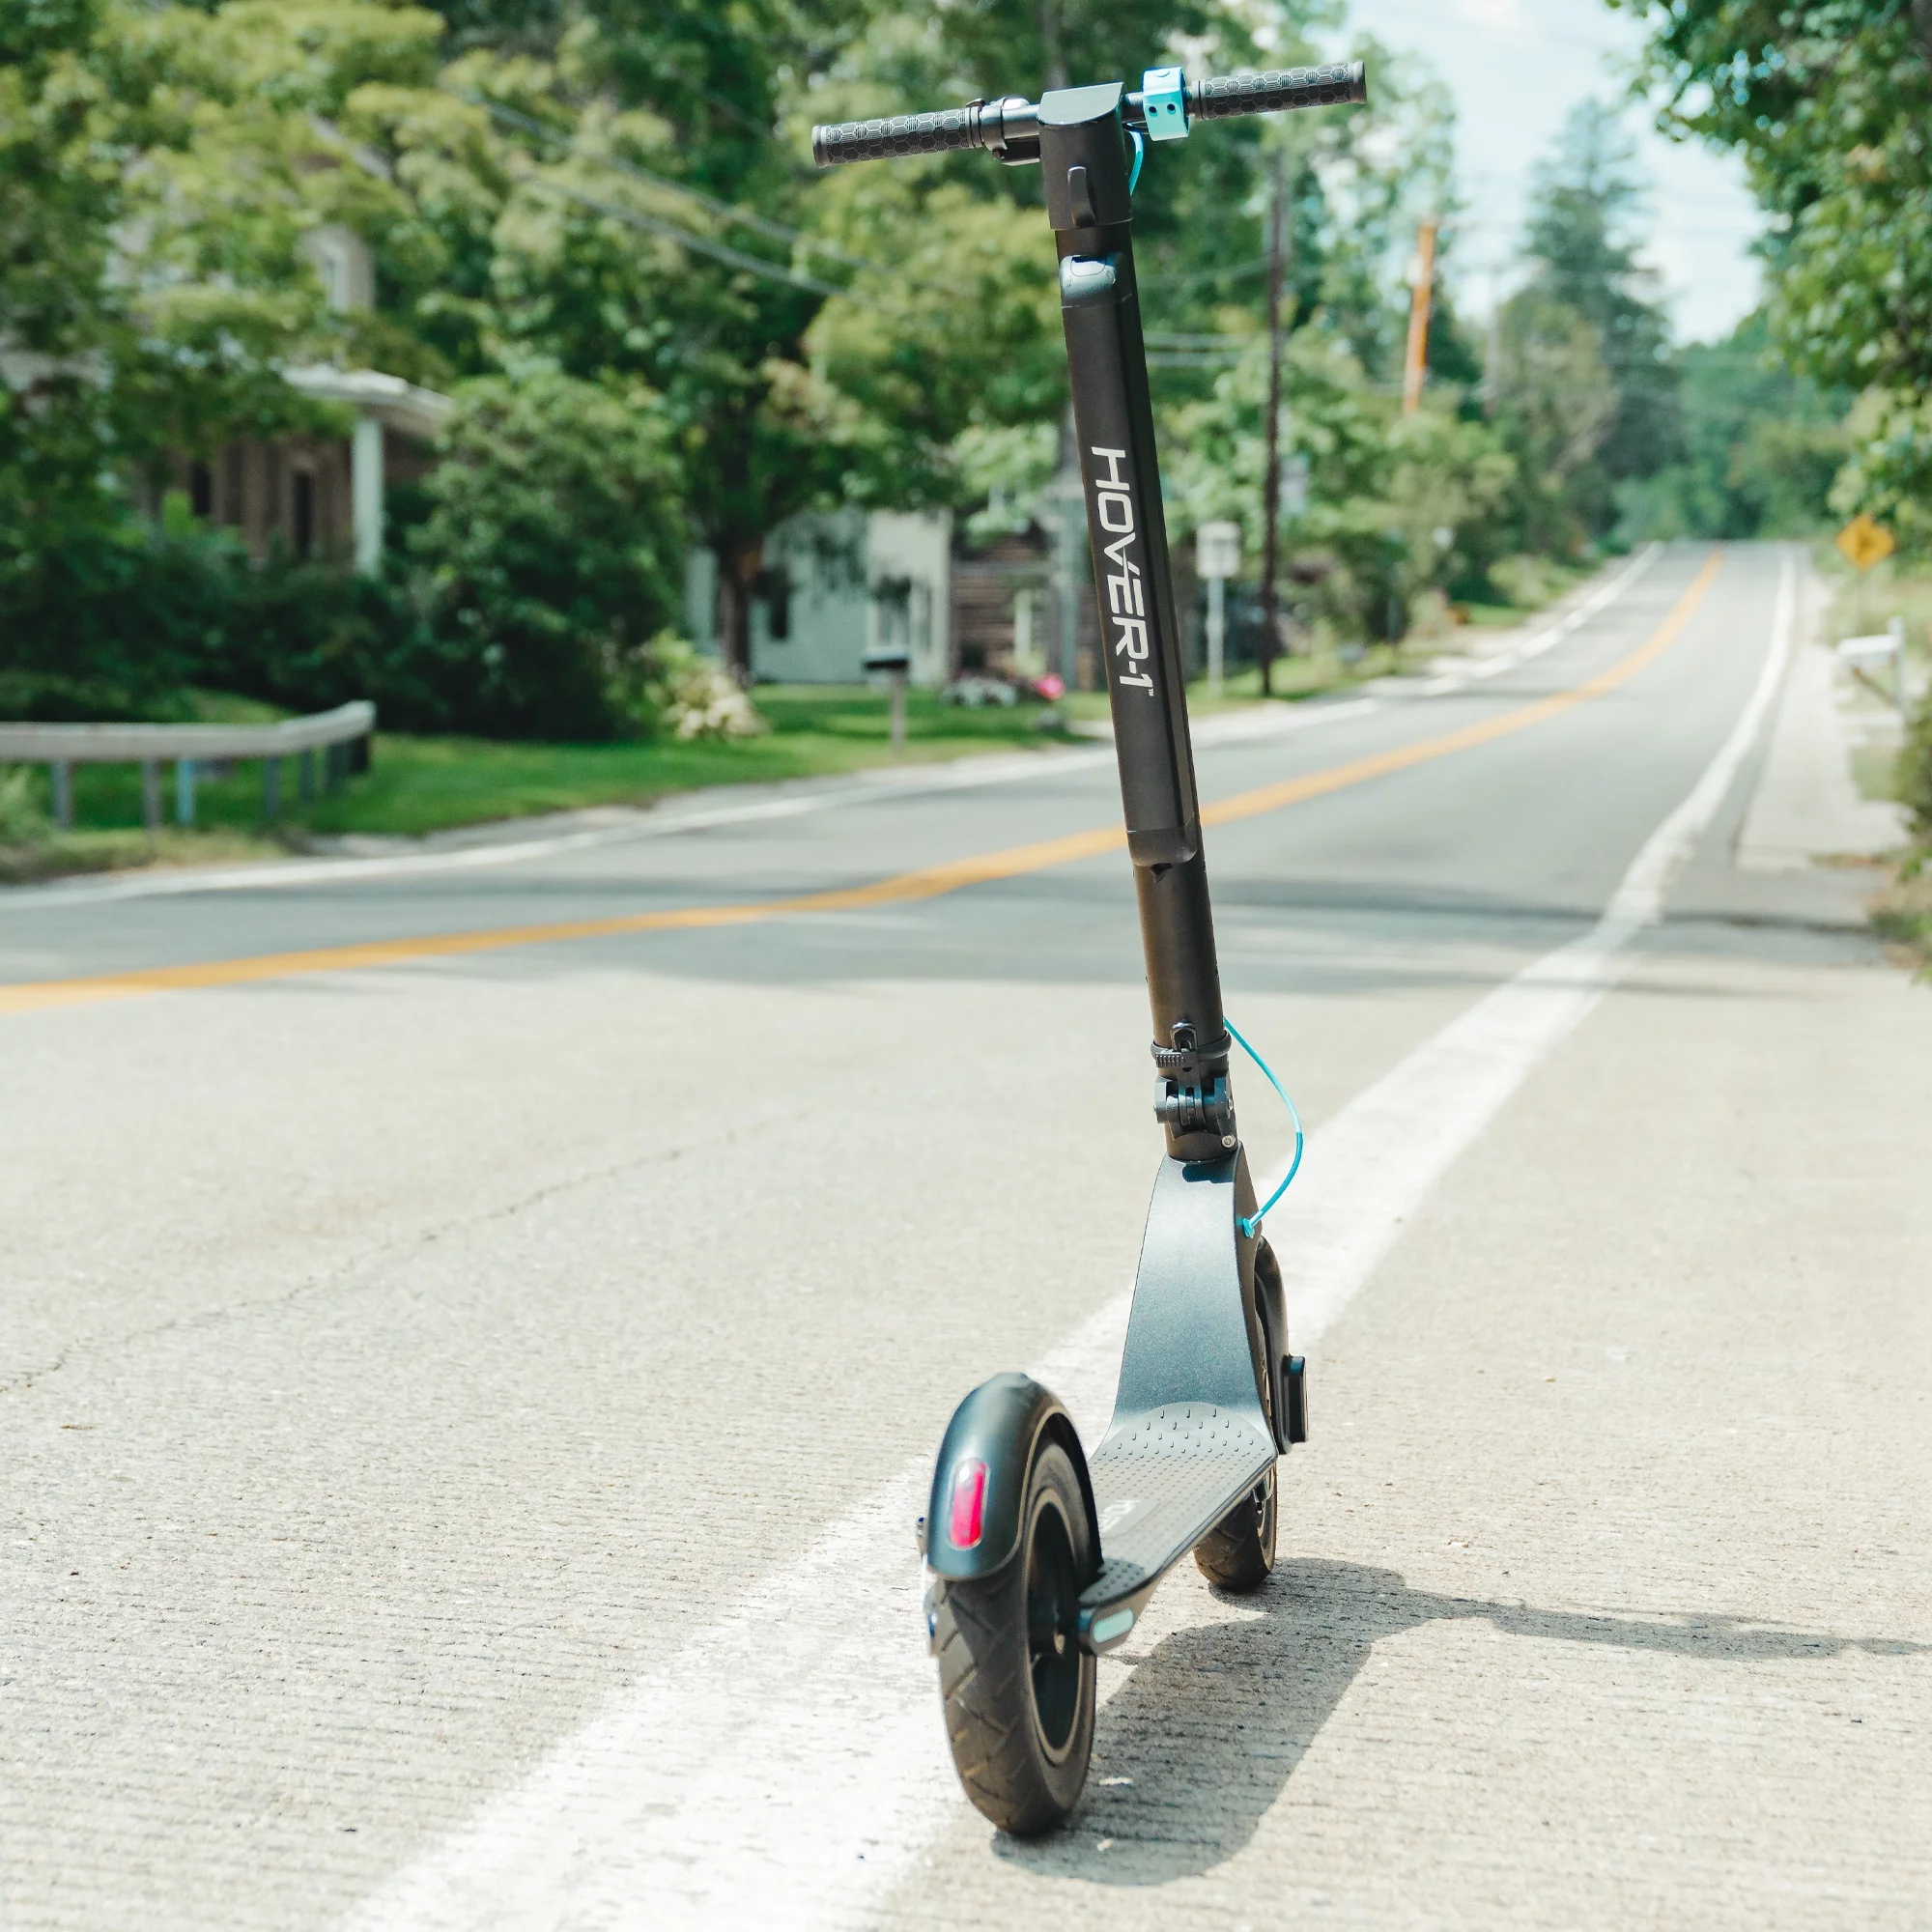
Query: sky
[1516, 68]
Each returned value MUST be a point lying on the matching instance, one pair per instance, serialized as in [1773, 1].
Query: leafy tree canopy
[1829, 103]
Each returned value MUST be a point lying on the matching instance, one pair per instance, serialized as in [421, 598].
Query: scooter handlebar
[1276, 92]
[903, 134]
[1007, 127]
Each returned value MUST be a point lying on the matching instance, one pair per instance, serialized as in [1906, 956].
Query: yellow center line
[927, 883]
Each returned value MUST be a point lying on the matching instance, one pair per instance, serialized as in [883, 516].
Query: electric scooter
[1041, 1558]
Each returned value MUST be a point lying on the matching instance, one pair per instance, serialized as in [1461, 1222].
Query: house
[323, 497]
[835, 588]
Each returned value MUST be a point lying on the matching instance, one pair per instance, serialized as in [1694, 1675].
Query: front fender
[1000, 1424]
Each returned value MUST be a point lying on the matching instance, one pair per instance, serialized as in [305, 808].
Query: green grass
[1903, 917]
[420, 784]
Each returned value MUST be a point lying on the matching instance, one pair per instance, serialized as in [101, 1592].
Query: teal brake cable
[1249, 1225]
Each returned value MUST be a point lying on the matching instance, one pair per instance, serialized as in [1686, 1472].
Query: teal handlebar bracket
[1164, 103]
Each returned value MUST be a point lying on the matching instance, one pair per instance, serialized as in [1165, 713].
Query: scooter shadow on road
[1201, 1740]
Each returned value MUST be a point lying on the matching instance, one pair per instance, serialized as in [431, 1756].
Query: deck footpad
[1162, 1481]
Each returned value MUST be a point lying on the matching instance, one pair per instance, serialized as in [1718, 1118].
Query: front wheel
[1018, 1687]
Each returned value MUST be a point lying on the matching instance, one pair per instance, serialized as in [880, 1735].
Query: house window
[772, 588]
[303, 505]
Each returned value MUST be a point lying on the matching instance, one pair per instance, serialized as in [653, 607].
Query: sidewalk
[1806, 808]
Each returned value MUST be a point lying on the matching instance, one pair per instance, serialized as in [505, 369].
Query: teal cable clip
[1250, 1225]
[1139, 159]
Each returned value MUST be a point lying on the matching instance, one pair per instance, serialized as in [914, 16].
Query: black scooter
[1042, 1558]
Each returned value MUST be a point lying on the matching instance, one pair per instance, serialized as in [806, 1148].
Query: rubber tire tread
[1237, 1554]
[979, 1636]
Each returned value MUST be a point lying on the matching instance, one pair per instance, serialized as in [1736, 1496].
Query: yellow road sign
[1864, 542]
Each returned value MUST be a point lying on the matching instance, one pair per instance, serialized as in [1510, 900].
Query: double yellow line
[927, 883]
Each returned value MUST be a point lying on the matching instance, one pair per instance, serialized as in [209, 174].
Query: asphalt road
[471, 1329]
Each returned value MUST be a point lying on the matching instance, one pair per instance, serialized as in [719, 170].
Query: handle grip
[1272, 92]
[903, 134]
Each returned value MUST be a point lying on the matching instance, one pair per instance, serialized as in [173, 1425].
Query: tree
[1584, 389]
[1828, 102]
[1762, 449]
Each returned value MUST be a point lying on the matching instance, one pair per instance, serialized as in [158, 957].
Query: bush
[694, 697]
[1914, 772]
[110, 620]
[22, 816]
[550, 558]
[310, 637]
[523, 606]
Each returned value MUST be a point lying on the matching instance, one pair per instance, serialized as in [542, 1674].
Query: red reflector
[969, 1505]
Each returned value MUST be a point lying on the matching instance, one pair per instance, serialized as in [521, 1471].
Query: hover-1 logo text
[1125, 603]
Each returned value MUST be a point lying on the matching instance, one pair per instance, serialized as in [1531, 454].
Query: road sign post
[1864, 542]
[1217, 556]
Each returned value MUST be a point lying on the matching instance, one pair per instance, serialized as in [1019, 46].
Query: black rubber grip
[903, 134]
[1271, 93]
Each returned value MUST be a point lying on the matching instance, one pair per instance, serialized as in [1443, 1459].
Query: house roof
[391, 401]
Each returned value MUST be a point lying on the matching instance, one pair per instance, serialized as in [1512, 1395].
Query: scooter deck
[1190, 1438]
[1162, 1481]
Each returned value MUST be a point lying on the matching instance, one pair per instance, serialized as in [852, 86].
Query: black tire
[1272, 1313]
[1238, 1552]
[1018, 1687]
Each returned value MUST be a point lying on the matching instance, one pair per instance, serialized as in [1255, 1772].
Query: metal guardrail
[61, 747]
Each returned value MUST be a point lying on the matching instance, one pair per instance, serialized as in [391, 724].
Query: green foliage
[1584, 392]
[1915, 773]
[1382, 486]
[550, 555]
[1555, 403]
[105, 621]
[23, 814]
[594, 222]
[1581, 241]
[1828, 102]
[1762, 449]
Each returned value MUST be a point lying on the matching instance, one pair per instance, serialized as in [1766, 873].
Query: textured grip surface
[1286, 87]
[903, 134]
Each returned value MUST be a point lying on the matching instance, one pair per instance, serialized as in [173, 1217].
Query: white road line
[789, 1766]
[1553, 634]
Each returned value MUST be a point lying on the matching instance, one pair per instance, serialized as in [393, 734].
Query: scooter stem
[1083, 151]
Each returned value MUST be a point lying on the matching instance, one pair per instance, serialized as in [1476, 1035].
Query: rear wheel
[1238, 1552]
[1018, 1687]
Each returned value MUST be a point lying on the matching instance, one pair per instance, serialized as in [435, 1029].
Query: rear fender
[1001, 1424]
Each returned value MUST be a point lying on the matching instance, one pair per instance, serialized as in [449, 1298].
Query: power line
[1237, 268]
[670, 231]
[745, 217]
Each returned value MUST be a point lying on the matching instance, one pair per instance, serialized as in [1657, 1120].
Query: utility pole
[1271, 639]
[1415, 364]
